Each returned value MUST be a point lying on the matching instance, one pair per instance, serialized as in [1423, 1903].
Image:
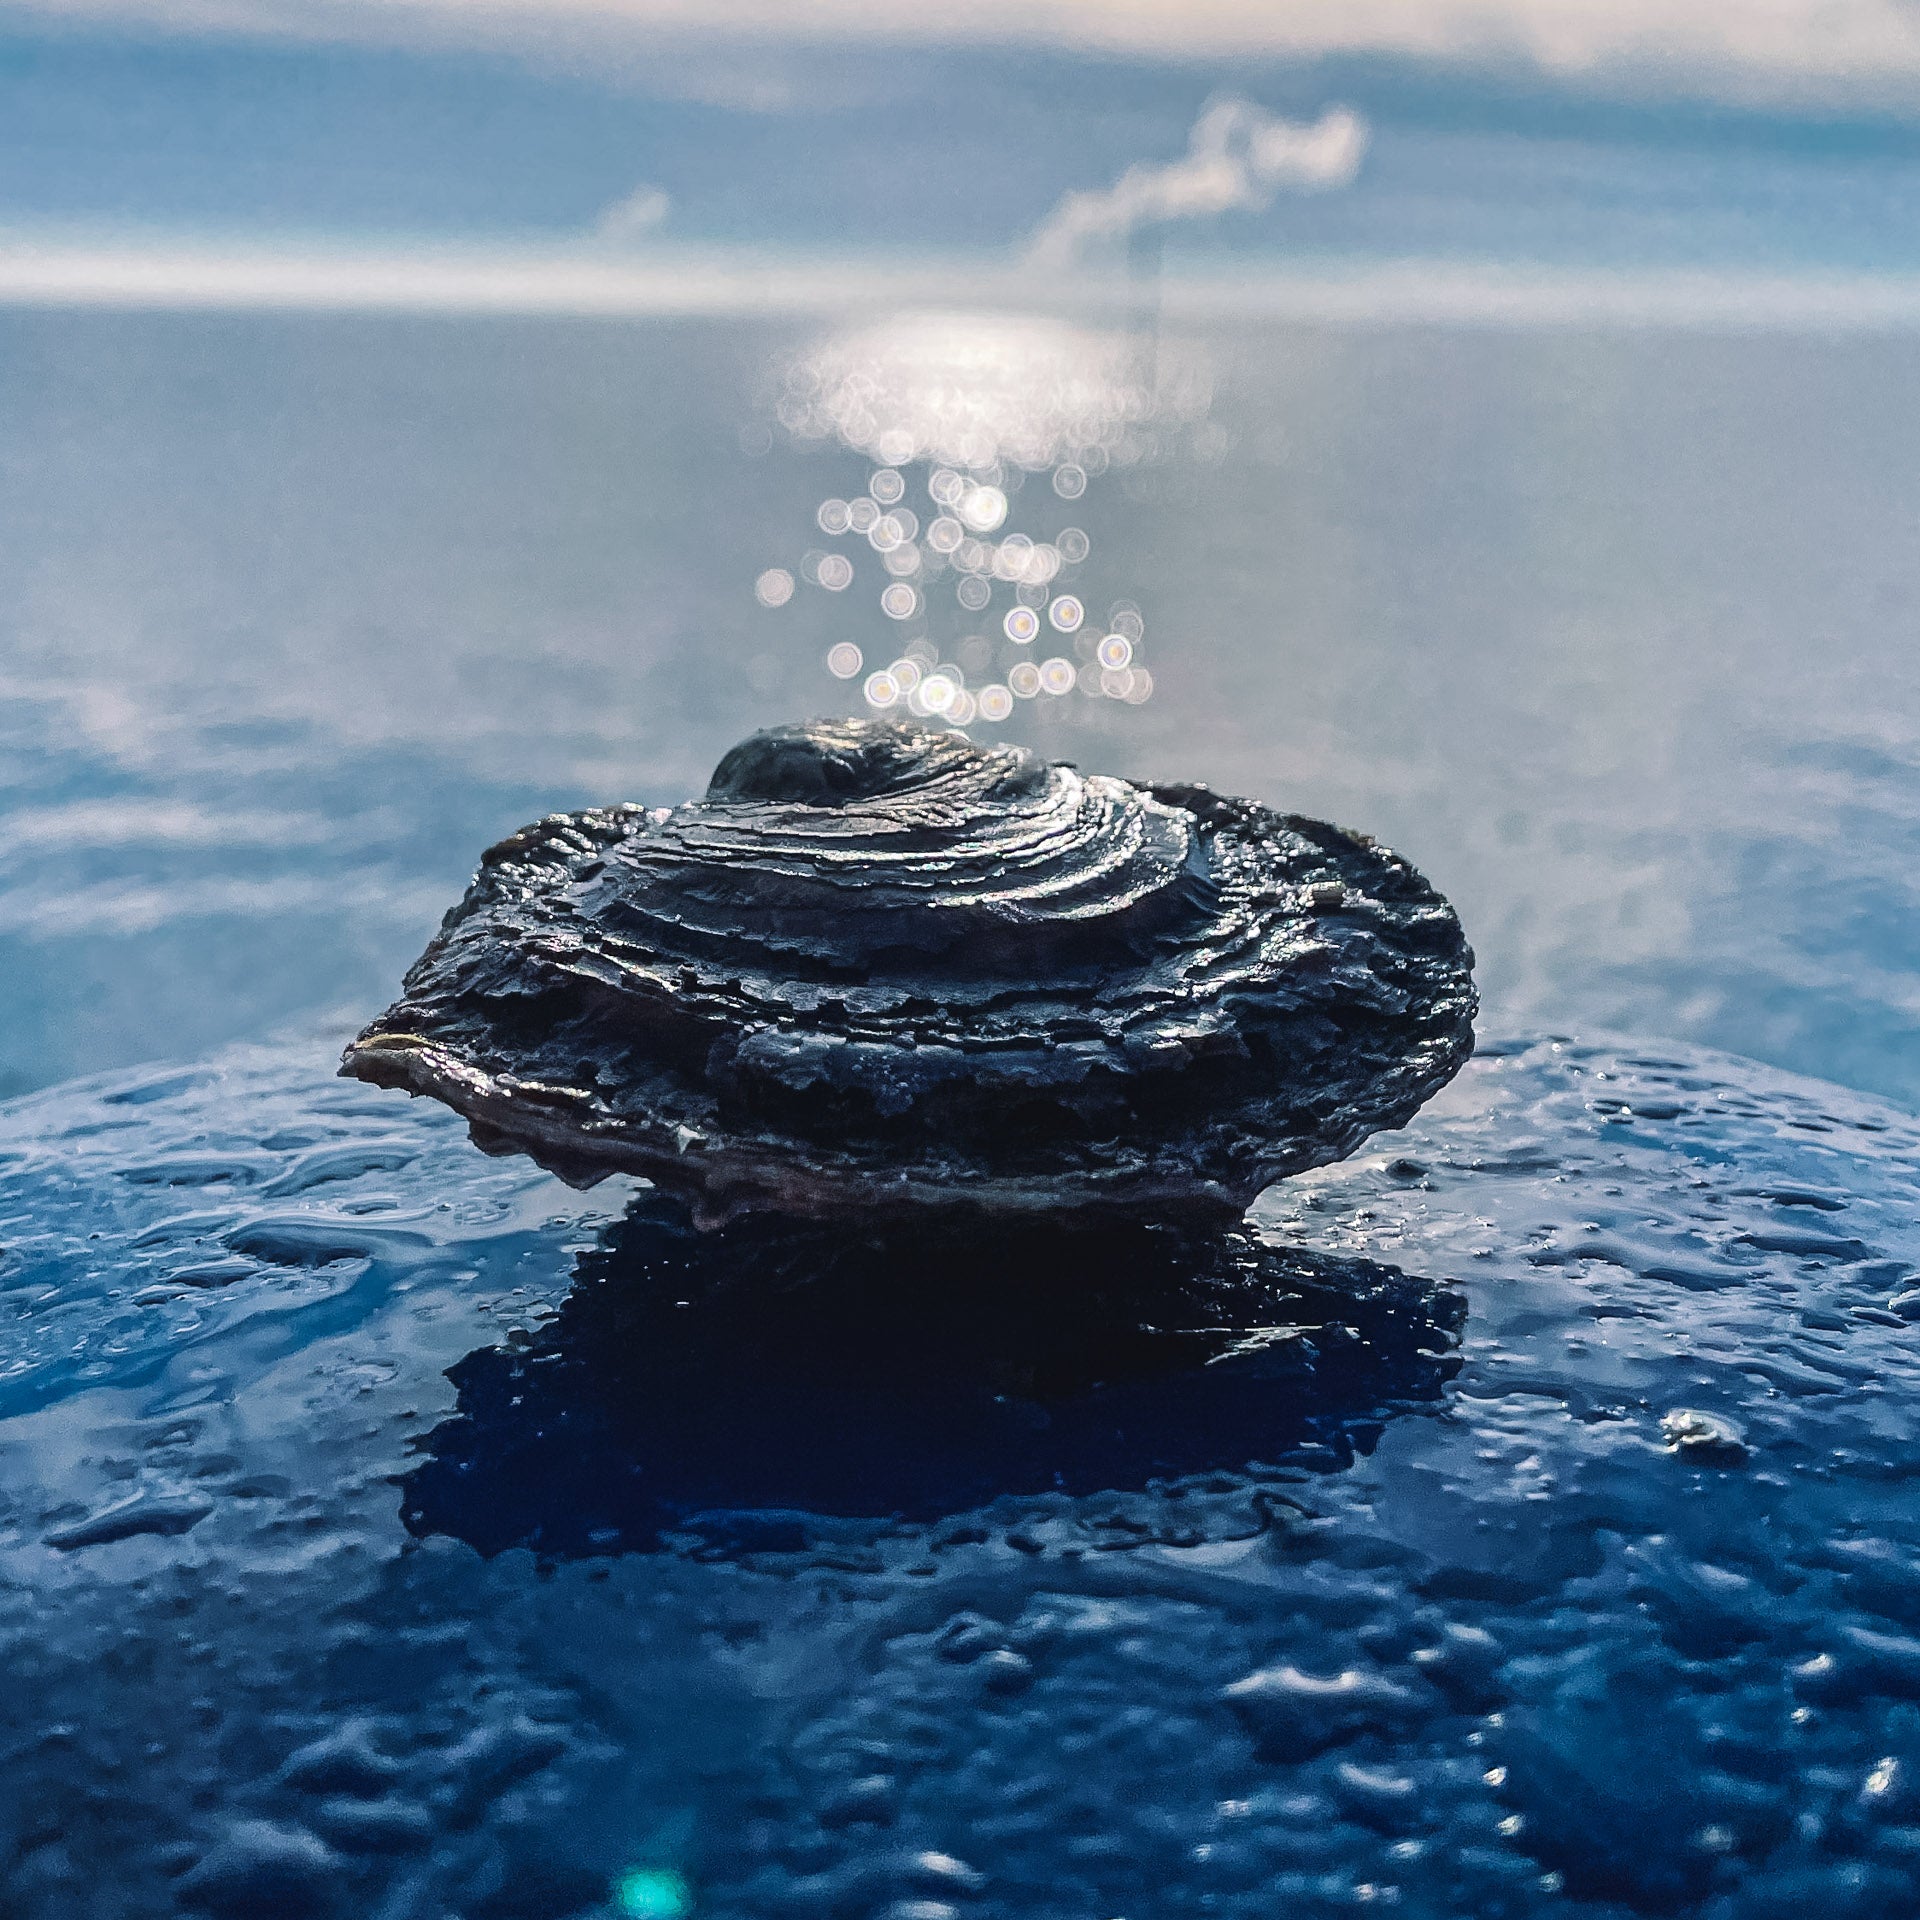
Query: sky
[1034, 143]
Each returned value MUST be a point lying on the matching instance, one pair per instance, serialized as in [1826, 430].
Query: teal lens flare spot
[651, 1894]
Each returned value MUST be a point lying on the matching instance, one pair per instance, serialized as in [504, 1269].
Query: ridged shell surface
[881, 968]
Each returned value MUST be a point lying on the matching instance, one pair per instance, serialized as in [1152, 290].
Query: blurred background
[1492, 424]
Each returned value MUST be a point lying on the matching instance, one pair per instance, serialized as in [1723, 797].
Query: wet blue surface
[1265, 1608]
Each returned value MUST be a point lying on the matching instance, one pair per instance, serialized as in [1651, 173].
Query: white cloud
[1237, 159]
[633, 215]
[1804, 50]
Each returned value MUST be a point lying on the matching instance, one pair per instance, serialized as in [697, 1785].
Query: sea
[391, 1532]
[1610, 632]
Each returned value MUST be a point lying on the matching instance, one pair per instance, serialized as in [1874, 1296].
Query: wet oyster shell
[880, 968]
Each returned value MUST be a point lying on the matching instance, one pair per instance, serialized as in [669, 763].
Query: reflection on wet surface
[1520, 1653]
[729, 1387]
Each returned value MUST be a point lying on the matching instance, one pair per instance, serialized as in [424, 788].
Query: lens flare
[1116, 652]
[938, 692]
[650, 1893]
[774, 588]
[905, 674]
[844, 660]
[973, 593]
[886, 486]
[1023, 678]
[1070, 481]
[835, 572]
[1021, 625]
[995, 702]
[1066, 613]
[1074, 545]
[1057, 675]
[899, 602]
[833, 517]
[882, 690]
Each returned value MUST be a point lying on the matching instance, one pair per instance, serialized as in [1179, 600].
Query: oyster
[881, 969]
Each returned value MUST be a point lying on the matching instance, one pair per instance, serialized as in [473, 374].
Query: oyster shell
[881, 969]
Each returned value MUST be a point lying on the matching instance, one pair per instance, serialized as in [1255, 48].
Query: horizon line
[720, 282]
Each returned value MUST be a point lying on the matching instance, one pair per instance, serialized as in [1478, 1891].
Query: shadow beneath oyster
[731, 1387]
